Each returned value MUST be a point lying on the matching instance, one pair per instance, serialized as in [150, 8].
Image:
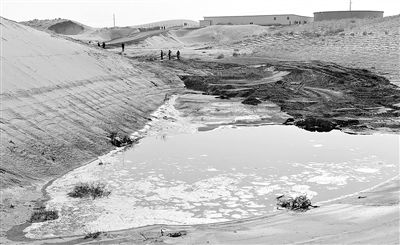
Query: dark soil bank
[319, 96]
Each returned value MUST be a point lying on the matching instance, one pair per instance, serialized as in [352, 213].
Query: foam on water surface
[189, 177]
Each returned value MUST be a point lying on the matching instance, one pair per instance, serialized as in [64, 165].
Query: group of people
[178, 55]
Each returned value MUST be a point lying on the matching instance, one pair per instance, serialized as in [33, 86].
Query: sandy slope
[61, 99]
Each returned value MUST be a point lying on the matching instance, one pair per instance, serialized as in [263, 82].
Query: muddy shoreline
[319, 96]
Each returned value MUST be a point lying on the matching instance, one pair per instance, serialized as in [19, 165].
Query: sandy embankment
[59, 101]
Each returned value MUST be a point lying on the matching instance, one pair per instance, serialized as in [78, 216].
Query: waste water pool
[224, 174]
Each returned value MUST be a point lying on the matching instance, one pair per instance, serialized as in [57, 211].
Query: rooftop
[258, 15]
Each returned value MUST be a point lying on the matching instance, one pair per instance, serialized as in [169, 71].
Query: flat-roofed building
[354, 14]
[281, 19]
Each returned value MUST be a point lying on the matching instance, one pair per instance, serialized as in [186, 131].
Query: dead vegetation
[300, 203]
[93, 190]
[43, 215]
[173, 234]
[177, 234]
[120, 141]
[94, 235]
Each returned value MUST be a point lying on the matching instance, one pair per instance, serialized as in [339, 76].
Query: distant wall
[256, 20]
[336, 15]
[205, 22]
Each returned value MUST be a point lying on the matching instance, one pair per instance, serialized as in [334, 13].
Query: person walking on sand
[123, 47]
[98, 44]
[169, 54]
[103, 45]
[162, 55]
[178, 55]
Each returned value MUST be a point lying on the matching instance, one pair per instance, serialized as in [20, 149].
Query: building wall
[258, 20]
[205, 23]
[335, 15]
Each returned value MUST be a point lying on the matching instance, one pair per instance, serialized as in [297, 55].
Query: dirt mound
[67, 28]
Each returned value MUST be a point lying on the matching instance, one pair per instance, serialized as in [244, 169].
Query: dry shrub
[94, 190]
[43, 215]
[235, 54]
[220, 56]
[93, 235]
[117, 141]
[299, 203]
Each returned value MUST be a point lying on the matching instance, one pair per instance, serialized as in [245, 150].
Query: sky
[99, 13]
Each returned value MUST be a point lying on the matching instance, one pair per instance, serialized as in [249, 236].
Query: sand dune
[80, 31]
[67, 28]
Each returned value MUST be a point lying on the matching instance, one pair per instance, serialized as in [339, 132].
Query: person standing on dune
[178, 55]
[104, 45]
[123, 47]
[162, 55]
[169, 54]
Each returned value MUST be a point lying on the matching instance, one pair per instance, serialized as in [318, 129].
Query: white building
[281, 19]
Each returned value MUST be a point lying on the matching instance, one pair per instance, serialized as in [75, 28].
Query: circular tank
[337, 15]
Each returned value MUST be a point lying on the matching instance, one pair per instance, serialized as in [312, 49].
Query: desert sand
[61, 98]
